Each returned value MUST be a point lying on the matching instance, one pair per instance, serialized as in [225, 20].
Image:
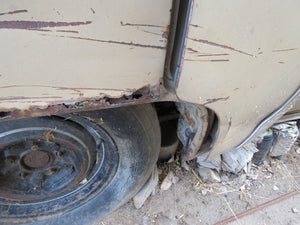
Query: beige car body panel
[241, 57]
[68, 51]
[242, 60]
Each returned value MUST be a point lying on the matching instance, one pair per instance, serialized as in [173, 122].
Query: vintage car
[85, 87]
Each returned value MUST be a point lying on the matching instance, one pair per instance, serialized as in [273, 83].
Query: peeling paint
[143, 95]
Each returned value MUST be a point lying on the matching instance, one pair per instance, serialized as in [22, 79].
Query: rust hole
[4, 114]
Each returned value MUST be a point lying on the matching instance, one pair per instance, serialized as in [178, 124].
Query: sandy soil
[190, 201]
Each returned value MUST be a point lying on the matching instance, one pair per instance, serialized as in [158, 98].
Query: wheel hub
[49, 165]
[44, 160]
[36, 160]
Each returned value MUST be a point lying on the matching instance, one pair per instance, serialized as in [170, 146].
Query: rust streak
[221, 46]
[212, 100]
[62, 88]
[27, 25]
[192, 50]
[213, 55]
[23, 98]
[194, 25]
[44, 30]
[14, 12]
[190, 120]
[140, 25]
[285, 50]
[207, 60]
[117, 42]
[68, 31]
[151, 32]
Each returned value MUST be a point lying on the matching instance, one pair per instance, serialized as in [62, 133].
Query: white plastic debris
[286, 135]
[237, 159]
[275, 188]
[214, 163]
[175, 179]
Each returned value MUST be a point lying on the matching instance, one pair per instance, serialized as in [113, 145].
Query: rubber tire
[136, 133]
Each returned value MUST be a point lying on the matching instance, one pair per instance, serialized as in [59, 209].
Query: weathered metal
[192, 128]
[242, 69]
[60, 53]
[87, 56]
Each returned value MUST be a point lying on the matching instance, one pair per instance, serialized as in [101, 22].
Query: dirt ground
[190, 201]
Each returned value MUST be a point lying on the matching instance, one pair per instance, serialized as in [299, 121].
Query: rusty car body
[239, 60]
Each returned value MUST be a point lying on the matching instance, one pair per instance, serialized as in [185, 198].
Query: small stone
[167, 182]
[153, 192]
[275, 188]
[175, 179]
[203, 192]
[243, 188]
[83, 181]
[145, 220]
[294, 210]
[223, 191]
[208, 175]
[249, 195]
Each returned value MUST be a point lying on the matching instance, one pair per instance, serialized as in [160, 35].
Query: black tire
[130, 142]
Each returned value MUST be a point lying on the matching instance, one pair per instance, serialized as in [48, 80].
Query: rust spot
[166, 33]
[140, 25]
[14, 12]
[221, 46]
[93, 11]
[27, 25]
[189, 118]
[281, 62]
[229, 124]
[117, 42]
[212, 100]
[285, 50]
